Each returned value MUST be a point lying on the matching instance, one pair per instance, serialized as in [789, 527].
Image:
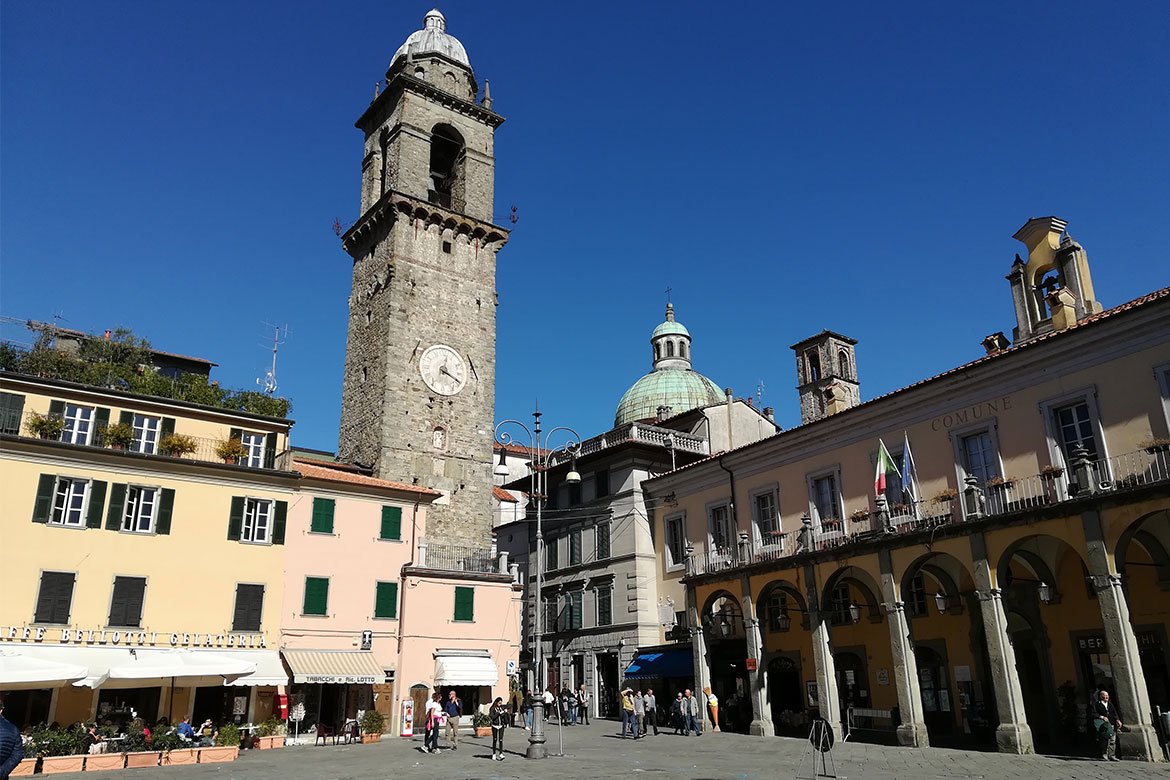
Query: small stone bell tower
[826, 368]
[1053, 288]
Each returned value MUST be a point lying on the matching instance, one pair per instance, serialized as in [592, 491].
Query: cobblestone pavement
[595, 752]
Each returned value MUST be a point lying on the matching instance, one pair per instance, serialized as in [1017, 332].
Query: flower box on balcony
[1051, 472]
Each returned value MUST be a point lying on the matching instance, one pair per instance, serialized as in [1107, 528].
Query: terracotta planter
[269, 743]
[25, 768]
[180, 756]
[483, 731]
[138, 760]
[218, 755]
[97, 762]
[368, 738]
[54, 765]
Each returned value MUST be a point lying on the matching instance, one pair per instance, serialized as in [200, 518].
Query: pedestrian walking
[651, 712]
[454, 710]
[676, 716]
[571, 706]
[639, 714]
[498, 714]
[11, 746]
[549, 701]
[628, 721]
[434, 716]
[583, 706]
[692, 715]
[1108, 723]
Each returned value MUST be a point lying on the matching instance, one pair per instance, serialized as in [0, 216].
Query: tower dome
[672, 382]
[433, 39]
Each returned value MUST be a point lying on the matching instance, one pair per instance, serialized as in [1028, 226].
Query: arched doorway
[1035, 681]
[722, 621]
[1143, 561]
[786, 696]
[935, 685]
[852, 678]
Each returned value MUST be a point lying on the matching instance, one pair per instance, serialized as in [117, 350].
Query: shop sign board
[751, 664]
[128, 637]
[337, 679]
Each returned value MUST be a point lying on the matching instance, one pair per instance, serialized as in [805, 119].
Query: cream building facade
[1021, 568]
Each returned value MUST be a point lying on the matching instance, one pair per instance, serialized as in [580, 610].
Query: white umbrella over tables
[22, 672]
[179, 665]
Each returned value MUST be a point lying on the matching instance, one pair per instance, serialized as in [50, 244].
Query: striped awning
[355, 667]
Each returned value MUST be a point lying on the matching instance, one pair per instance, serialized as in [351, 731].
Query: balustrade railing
[993, 498]
[450, 557]
[638, 432]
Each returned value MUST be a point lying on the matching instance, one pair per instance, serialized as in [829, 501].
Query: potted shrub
[62, 750]
[1051, 472]
[173, 748]
[44, 426]
[482, 724]
[231, 450]
[859, 515]
[227, 746]
[1001, 483]
[372, 724]
[118, 436]
[177, 445]
[140, 751]
[270, 734]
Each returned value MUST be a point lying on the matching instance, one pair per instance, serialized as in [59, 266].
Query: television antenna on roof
[279, 336]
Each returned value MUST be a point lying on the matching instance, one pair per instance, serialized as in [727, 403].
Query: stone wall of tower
[839, 379]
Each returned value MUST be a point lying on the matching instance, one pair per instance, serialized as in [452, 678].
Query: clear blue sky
[176, 168]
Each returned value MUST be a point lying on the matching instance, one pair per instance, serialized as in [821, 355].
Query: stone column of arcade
[1013, 734]
[698, 638]
[761, 725]
[1131, 697]
[912, 730]
[828, 703]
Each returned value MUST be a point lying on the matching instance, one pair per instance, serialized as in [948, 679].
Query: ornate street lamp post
[544, 457]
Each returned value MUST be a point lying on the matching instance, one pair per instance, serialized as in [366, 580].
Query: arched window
[843, 364]
[670, 349]
[655, 351]
[813, 360]
[1049, 281]
[420, 72]
[682, 349]
[447, 163]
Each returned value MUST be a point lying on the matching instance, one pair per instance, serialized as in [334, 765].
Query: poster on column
[407, 718]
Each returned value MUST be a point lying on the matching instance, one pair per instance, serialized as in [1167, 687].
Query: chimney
[996, 342]
[770, 414]
[1063, 305]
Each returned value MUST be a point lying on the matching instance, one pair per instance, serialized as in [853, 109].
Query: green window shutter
[166, 508]
[604, 610]
[602, 541]
[322, 522]
[56, 408]
[574, 548]
[166, 428]
[43, 506]
[249, 607]
[270, 451]
[55, 599]
[126, 604]
[316, 596]
[11, 410]
[280, 520]
[126, 418]
[236, 519]
[97, 502]
[386, 600]
[117, 507]
[101, 418]
[464, 604]
[391, 522]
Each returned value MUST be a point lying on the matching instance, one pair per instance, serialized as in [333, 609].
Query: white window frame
[732, 529]
[132, 519]
[811, 478]
[774, 491]
[59, 516]
[144, 424]
[1048, 407]
[73, 417]
[678, 519]
[990, 426]
[249, 526]
[253, 442]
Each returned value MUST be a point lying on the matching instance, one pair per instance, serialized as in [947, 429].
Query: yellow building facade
[1019, 568]
[160, 574]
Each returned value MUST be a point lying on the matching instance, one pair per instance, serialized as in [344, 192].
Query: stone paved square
[596, 751]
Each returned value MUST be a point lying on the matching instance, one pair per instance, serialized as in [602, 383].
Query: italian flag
[885, 464]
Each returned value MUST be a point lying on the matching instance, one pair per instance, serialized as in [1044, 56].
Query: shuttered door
[55, 597]
[249, 607]
[126, 605]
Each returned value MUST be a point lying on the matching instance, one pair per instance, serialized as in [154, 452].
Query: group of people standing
[449, 712]
[640, 712]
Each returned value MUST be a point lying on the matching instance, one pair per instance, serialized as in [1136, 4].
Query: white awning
[178, 665]
[269, 668]
[134, 667]
[465, 668]
[353, 667]
[20, 672]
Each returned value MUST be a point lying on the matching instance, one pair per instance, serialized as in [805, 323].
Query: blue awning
[659, 666]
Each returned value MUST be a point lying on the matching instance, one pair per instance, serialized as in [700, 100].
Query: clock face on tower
[443, 369]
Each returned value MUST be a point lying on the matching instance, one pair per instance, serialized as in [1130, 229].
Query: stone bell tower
[1053, 288]
[418, 397]
[826, 369]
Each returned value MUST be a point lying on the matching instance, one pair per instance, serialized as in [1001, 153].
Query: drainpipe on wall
[730, 438]
[731, 502]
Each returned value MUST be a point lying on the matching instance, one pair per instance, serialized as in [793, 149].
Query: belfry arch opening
[448, 161]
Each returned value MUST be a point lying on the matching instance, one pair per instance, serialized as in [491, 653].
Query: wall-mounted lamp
[1044, 591]
[501, 469]
[940, 601]
[854, 612]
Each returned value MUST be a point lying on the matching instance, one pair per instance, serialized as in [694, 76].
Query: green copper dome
[680, 389]
[672, 383]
